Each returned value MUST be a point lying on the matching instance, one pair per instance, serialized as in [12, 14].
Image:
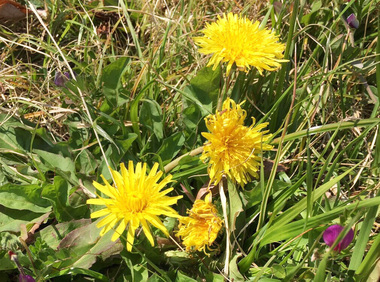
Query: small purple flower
[353, 21]
[332, 232]
[25, 278]
[60, 79]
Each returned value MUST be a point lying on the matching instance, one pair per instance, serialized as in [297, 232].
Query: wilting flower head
[233, 149]
[201, 227]
[60, 79]
[332, 233]
[235, 39]
[136, 200]
[353, 21]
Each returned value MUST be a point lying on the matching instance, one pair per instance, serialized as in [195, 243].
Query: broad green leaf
[10, 219]
[85, 245]
[5, 262]
[181, 277]
[206, 86]
[53, 234]
[23, 197]
[16, 137]
[13, 140]
[103, 133]
[236, 207]
[214, 277]
[9, 241]
[170, 147]
[235, 274]
[203, 92]
[58, 194]
[59, 163]
[87, 161]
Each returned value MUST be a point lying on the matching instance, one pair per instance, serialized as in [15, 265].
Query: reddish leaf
[11, 11]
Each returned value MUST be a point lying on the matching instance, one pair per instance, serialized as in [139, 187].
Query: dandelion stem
[224, 207]
[174, 163]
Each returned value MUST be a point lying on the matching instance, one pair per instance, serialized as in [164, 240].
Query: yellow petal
[131, 235]
[156, 222]
[100, 213]
[104, 189]
[147, 232]
[119, 230]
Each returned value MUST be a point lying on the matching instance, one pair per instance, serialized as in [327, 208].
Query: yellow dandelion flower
[136, 200]
[236, 39]
[201, 227]
[233, 149]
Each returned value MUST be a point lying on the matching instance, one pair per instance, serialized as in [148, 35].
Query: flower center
[134, 202]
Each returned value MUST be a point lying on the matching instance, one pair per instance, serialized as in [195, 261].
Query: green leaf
[58, 194]
[170, 147]
[58, 163]
[183, 278]
[369, 262]
[236, 206]
[214, 277]
[87, 161]
[72, 271]
[282, 232]
[295, 210]
[151, 117]
[9, 241]
[206, 86]
[10, 219]
[112, 79]
[103, 133]
[5, 262]
[23, 197]
[53, 234]
[363, 238]
[84, 246]
[235, 274]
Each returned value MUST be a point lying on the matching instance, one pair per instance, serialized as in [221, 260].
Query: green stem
[175, 162]
[224, 207]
